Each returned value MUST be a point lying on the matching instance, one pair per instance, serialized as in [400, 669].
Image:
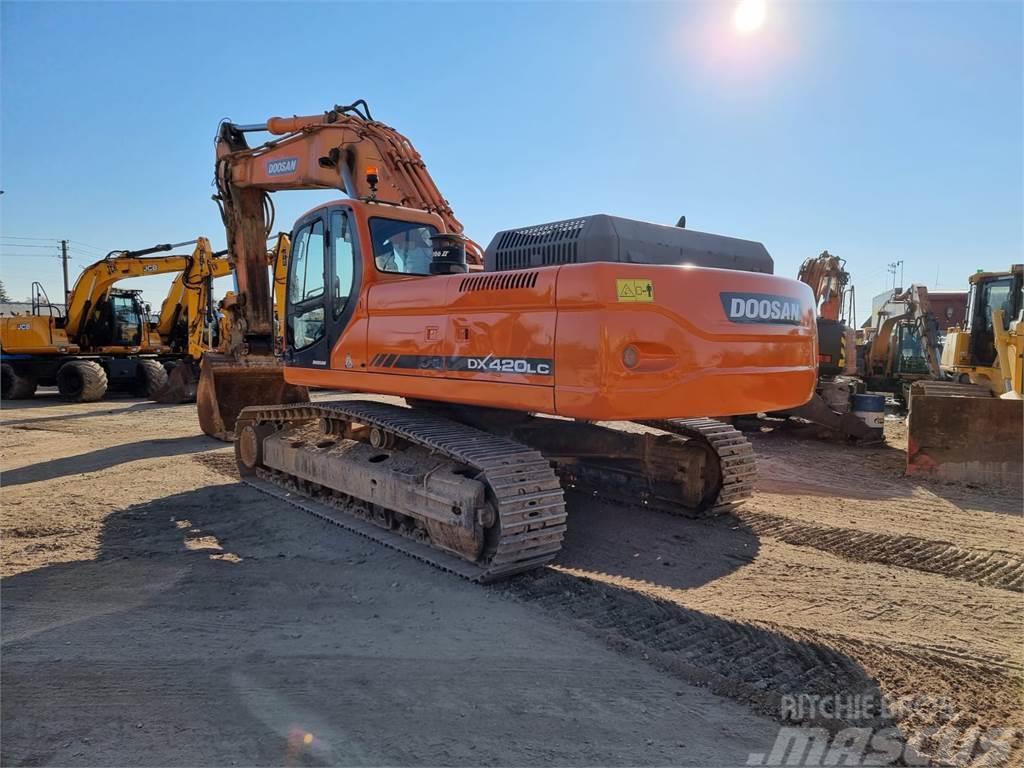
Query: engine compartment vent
[543, 245]
[498, 281]
[604, 238]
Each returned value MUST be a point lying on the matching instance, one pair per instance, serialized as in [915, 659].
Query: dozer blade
[964, 434]
[181, 384]
[227, 385]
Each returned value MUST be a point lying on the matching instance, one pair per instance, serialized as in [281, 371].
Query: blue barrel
[870, 409]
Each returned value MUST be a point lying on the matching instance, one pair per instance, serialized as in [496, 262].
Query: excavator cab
[1000, 292]
[118, 320]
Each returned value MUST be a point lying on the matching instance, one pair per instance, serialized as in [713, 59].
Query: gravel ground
[156, 611]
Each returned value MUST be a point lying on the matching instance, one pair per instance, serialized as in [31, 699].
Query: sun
[748, 16]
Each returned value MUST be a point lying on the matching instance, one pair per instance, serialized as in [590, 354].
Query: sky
[880, 131]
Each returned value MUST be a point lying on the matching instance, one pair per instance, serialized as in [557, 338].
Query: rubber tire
[82, 381]
[151, 377]
[13, 386]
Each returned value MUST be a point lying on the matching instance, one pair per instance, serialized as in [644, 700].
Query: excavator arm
[189, 295]
[827, 278]
[277, 260]
[96, 280]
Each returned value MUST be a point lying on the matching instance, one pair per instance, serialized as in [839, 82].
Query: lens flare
[749, 16]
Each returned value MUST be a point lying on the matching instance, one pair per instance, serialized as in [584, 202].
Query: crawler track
[735, 455]
[522, 488]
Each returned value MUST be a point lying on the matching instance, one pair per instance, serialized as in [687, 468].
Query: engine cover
[611, 238]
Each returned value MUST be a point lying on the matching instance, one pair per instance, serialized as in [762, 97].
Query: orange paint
[552, 339]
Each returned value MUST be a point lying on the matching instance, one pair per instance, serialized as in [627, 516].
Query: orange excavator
[833, 404]
[507, 359]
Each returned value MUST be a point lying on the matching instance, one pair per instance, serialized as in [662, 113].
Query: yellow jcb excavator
[971, 428]
[192, 326]
[103, 341]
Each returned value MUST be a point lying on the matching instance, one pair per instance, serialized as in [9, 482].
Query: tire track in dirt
[739, 660]
[990, 569]
[939, 704]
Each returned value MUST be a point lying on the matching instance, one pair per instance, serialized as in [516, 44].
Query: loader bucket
[966, 437]
[181, 384]
[226, 386]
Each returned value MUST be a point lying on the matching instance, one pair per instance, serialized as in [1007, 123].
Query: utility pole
[64, 261]
[892, 271]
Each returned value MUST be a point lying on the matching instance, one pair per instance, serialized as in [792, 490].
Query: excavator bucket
[962, 433]
[226, 386]
[182, 382]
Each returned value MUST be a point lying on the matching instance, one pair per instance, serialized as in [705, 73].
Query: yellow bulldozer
[970, 426]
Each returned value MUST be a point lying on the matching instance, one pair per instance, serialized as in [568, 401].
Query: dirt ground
[155, 611]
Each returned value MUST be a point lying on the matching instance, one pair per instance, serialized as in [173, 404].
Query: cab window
[306, 287]
[345, 254]
[998, 295]
[402, 247]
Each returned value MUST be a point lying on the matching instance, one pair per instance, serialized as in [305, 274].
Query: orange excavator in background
[591, 319]
[834, 403]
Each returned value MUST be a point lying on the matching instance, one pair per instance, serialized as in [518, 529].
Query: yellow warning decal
[634, 290]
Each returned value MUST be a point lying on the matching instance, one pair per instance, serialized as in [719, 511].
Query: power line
[31, 256]
[17, 237]
[26, 245]
[86, 245]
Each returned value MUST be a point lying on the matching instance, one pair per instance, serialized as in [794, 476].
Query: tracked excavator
[833, 403]
[510, 361]
[104, 340]
[906, 347]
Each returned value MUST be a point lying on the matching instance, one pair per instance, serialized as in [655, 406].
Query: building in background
[948, 307]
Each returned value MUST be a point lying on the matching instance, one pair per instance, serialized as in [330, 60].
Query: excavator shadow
[641, 545]
[104, 408]
[104, 458]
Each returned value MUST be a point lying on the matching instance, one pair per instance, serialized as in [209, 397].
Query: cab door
[323, 285]
[991, 295]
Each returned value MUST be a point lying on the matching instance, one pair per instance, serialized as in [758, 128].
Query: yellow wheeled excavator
[103, 340]
[970, 427]
[188, 324]
[191, 325]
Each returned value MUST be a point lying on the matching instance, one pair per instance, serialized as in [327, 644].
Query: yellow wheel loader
[970, 427]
